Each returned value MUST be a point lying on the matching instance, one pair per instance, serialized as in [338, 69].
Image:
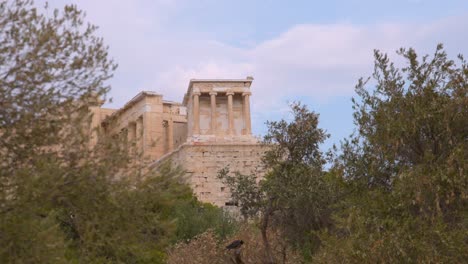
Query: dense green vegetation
[62, 201]
[404, 173]
[293, 197]
[396, 190]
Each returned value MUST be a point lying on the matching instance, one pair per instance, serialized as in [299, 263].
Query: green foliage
[294, 195]
[46, 62]
[396, 193]
[244, 191]
[405, 171]
[194, 218]
[63, 199]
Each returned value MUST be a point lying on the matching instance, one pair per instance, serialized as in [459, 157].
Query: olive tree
[294, 196]
[405, 169]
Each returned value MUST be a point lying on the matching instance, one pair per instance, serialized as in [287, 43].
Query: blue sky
[308, 51]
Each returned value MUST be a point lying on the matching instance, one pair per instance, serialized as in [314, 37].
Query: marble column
[140, 142]
[196, 112]
[230, 113]
[213, 112]
[132, 136]
[170, 134]
[246, 105]
[131, 128]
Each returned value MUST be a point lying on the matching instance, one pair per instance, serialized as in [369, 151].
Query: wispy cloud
[318, 61]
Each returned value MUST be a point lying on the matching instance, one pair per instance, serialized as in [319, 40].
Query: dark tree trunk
[264, 228]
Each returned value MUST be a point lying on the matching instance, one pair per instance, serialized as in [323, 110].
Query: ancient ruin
[208, 131]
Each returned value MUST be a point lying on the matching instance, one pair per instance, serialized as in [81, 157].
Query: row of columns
[136, 132]
[170, 134]
[229, 94]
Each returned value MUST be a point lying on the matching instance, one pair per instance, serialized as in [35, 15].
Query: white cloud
[318, 61]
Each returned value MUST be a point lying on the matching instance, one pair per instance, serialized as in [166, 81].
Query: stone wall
[209, 131]
[154, 125]
[203, 162]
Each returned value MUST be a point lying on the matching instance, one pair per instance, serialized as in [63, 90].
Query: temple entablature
[210, 130]
[219, 110]
[213, 111]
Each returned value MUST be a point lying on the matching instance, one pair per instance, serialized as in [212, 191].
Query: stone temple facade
[208, 131]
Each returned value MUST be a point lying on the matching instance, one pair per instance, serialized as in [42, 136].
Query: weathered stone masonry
[210, 130]
[203, 162]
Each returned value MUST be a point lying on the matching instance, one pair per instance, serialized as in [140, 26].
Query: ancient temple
[208, 131]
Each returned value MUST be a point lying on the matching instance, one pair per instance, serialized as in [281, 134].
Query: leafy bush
[404, 172]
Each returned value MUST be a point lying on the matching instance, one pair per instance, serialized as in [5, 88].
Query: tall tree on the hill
[62, 200]
[51, 69]
[406, 168]
[294, 197]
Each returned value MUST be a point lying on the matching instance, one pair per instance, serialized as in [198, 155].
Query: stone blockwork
[154, 125]
[209, 131]
[203, 162]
